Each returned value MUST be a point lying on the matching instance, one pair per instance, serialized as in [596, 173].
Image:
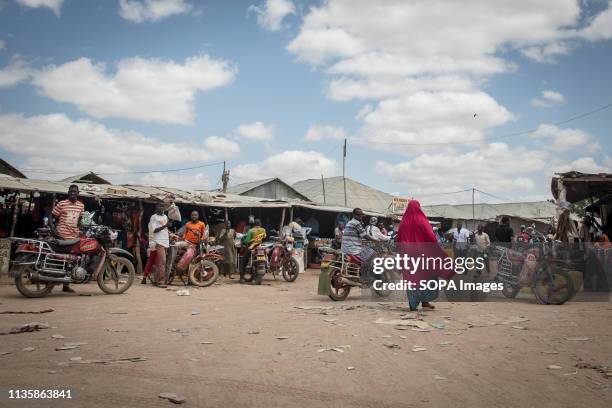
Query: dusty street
[282, 345]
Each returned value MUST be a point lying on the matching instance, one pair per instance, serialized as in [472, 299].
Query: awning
[579, 186]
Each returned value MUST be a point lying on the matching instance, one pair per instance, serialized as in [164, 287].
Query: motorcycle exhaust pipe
[43, 278]
[350, 282]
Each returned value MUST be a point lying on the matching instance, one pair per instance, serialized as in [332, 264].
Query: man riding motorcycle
[194, 232]
[251, 240]
[352, 236]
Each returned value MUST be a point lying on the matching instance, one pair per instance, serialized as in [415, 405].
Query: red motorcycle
[282, 260]
[42, 263]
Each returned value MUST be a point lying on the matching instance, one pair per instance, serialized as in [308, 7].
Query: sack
[174, 213]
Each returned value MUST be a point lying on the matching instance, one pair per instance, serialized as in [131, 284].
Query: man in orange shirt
[195, 231]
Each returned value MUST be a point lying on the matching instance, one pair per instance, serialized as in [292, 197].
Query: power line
[49, 171]
[493, 196]
[506, 136]
[445, 193]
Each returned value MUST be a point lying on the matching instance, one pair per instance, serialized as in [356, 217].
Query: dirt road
[281, 345]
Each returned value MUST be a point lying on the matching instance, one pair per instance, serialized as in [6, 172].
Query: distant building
[6, 168]
[540, 213]
[88, 178]
[272, 188]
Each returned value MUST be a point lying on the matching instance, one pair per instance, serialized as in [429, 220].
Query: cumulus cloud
[141, 11]
[257, 131]
[436, 117]
[495, 167]
[150, 90]
[585, 165]
[318, 132]
[271, 13]
[290, 165]
[18, 70]
[85, 144]
[600, 27]
[562, 140]
[548, 99]
[54, 5]
[547, 53]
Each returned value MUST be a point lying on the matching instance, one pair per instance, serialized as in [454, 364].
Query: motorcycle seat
[66, 242]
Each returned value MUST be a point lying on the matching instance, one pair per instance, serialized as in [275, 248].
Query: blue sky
[274, 86]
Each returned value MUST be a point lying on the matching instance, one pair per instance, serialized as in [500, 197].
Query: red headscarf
[414, 226]
[415, 237]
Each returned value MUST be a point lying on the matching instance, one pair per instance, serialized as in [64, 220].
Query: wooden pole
[473, 212]
[344, 171]
[323, 184]
[15, 211]
[282, 221]
[136, 247]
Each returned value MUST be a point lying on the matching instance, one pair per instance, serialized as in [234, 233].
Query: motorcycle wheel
[386, 277]
[29, 289]
[203, 273]
[510, 291]
[117, 275]
[338, 291]
[553, 286]
[291, 270]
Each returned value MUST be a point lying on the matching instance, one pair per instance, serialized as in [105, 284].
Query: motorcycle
[200, 271]
[258, 263]
[282, 260]
[348, 271]
[42, 263]
[537, 268]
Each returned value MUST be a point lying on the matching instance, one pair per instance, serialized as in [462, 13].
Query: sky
[433, 97]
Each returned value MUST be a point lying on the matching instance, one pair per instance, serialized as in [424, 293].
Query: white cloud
[257, 131]
[88, 145]
[435, 117]
[546, 54]
[291, 166]
[562, 140]
[318, 132]
[149, 90]
[548, 99]
[2, 45]
[600, 28]
[17, 71]
[493, 168]
[585, 165]
[54, 5]
[271, 14]
[221, 146]
[140, 11]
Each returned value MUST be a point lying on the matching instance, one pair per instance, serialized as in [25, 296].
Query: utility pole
[225, 178]
[323, 184]
[344, 170]
[473, 211]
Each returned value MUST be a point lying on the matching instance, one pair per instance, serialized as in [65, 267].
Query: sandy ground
[475, 359]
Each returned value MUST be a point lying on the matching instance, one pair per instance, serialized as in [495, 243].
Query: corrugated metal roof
[483, 211]
[248, 186]
[333, 208]
[149, 193]
[357, 194]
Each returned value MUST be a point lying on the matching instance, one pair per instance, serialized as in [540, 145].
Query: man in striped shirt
[353, 234]
[66, 218]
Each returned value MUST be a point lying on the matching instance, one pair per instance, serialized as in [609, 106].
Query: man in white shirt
[482, 239]
[159, 224]
[461, 239]
[375, 232]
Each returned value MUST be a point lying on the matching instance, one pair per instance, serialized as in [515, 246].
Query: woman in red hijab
[416, 238]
